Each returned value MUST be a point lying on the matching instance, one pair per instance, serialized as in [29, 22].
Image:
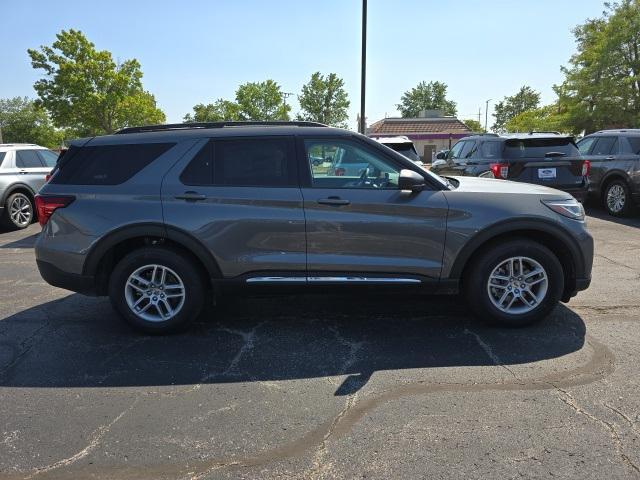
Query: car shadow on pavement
[600, 213]
[26, 242]
[80, 342]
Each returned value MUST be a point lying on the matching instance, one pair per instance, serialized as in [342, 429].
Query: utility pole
[286, 95]
[363, 76]
[1, 135]
[486, 115]
[479, 121]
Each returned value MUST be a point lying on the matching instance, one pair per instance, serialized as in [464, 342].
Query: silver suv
[23, 170]
[166, 218]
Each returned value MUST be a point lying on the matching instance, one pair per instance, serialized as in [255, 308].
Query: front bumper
[69, 281]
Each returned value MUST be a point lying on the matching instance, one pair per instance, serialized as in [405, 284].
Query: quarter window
[48, 158]
[349, 165]
[491, 149]
[2, 154]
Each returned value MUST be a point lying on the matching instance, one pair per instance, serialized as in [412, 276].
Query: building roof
[404, 126]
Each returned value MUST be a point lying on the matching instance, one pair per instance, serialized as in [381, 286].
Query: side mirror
[410, 181]
[438, 163]
[441, 156]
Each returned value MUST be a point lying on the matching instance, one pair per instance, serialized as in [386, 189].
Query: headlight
[567, 208]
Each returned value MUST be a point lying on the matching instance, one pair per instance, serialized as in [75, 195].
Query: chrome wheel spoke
[149, 283]
[522, 290]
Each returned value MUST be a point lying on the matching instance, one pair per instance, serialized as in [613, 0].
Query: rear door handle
[23, 172]
[191, 196]
[610, 158]
[337, 201]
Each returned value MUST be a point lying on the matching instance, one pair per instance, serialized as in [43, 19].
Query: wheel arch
[19, 187]
[611, 176]
[103, 256]
[559, 242]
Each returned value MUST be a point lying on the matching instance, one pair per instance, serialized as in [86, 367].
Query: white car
[403, 145]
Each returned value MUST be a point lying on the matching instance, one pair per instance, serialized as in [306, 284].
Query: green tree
[324, 100]
[261, 101]
[602, 81]
[549, 118]
[85, 90]
[526, 99]
[221, 110]
[426, 96]
[474, 125]
[22, 121]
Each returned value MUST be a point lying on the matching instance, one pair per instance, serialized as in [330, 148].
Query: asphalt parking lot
[322, 386]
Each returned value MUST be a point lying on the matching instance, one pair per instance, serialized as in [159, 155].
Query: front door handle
[337, 201]
[191, 196]
[23, 172]
[610, 158]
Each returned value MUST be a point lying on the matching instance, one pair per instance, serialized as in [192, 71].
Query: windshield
[540, 147]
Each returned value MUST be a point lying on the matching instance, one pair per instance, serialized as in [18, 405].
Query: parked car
[615, 168]
[543, 158]
[163, 218]
[23, 169]
[402, 144]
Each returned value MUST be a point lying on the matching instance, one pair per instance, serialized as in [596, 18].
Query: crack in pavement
[568, 399]
[96, 437]
[490, 353]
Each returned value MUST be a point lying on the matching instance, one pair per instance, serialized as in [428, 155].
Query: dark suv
[544, 158]
[165, 218]
[615, 168]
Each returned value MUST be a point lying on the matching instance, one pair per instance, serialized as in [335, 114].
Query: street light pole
[363, 121]
[486, 115]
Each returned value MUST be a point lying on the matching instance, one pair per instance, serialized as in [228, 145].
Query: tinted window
[405, 149]
[585, 144]
[633, 141]
[491, 149]
[605, 146]
[376, 170]
[455, 151]
[48, 158]
[539, 147]
[200, 169]
[2, 155]
[255, 162]
[107, 164]
[28, 159]
[468, 150]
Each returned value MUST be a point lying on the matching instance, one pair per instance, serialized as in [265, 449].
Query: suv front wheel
[157, 290]
[514, 283]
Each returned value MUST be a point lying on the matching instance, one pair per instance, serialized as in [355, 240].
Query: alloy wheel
[616, 198]
[517, 285]
[21, 211]
[155, 293]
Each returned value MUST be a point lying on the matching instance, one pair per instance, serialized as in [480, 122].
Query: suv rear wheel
[514, 283]
[617, 199]
[18, 211]
[157, 290]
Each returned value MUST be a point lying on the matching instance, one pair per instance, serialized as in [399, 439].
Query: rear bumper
[69, 281]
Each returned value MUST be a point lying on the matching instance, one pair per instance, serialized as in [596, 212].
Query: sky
[197, 51]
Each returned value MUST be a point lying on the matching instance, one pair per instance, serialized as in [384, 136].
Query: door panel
[247, 228]
[31, 168]
[367, 225]
[603, 156]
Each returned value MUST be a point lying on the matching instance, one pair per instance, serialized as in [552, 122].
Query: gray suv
[23, 170]
[164, 219]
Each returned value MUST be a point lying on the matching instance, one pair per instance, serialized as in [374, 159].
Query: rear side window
[48, 158]
[605, 146]
[28, 159]
[254, 162]
[107, 164]
[635, 144]
[539, 147]
[2, 155]
[491, 149]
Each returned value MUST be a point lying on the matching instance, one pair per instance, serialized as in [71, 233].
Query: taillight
[500, 170]
[47, 204]
[586, 168]
[340, 172]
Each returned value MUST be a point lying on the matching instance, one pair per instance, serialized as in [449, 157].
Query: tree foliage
[526, 99]
[474, 125]
[549, 118]
[426, 96]
[84, 89]
[260, 101]
[602, 81]
[324, 100]
[22, 121]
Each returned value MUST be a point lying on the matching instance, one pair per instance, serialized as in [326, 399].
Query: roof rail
[204, 125]
[488, 134]
[619, 130]
[551, 132]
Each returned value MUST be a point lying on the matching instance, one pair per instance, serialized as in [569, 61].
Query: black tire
[475, 282]
[187, 273]
[11, 223]
[621, 186]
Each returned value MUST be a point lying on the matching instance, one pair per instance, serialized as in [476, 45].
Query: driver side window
[345, 164]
